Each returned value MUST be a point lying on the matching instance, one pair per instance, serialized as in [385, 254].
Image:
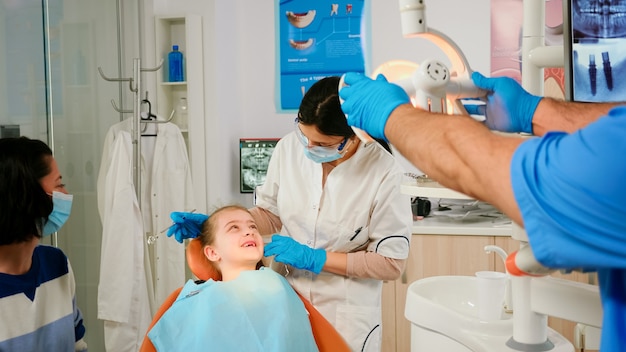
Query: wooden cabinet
[436, 255]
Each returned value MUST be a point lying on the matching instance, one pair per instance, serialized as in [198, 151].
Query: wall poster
[506, 39]
[316, 39]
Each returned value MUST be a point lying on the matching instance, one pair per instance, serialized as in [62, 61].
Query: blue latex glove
[368, 103]
[509, 107]
[186, 225]
[289, 251]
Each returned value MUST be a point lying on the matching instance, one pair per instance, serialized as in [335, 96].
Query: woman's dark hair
[24, 205]
[320, 107]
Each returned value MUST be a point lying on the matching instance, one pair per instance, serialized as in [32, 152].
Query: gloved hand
[368, 103]
[509, 107]
[289, 251]
[186, 225]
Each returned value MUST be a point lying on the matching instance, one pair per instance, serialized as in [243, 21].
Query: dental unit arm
[523, 263]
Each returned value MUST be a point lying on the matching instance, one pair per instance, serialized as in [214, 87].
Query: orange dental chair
[326, 337]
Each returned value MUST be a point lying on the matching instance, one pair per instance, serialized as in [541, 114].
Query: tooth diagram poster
[316, 39]
[506, 38]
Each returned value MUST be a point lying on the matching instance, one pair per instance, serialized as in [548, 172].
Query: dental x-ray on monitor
[595, 48]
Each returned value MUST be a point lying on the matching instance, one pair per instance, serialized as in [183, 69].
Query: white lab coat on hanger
[131, 286]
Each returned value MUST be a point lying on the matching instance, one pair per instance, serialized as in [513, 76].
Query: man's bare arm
[558, 115]
[459, 153]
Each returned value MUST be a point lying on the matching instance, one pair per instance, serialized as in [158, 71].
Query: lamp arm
[460, 66]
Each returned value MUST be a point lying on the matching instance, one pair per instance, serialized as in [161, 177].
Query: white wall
[239, 51]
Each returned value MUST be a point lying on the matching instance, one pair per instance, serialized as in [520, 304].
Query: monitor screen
[254, 158]
[595, 50]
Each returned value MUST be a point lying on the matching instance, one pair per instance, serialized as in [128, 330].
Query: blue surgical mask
[322, 157]
[321, 154]
[62, 205]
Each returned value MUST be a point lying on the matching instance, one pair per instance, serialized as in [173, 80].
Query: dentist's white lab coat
[359, 208]
[133, 283]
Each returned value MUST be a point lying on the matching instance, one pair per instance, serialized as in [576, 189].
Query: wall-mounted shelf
[183, 83]
[186, 32]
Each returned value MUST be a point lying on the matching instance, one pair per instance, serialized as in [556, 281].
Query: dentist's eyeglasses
[320, 149]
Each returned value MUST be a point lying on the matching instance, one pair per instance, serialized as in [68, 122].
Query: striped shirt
[38, 309]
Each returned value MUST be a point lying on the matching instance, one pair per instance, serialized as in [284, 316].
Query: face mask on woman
[320, 154]
[62, 205]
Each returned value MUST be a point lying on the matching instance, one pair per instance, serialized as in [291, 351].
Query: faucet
[508, 300]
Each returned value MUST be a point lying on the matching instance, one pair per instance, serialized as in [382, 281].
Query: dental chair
[326, 337]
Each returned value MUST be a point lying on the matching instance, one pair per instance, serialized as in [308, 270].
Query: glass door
[50, 89]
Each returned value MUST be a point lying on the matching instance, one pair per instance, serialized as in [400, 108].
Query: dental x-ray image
[598, 50]
[254, 157]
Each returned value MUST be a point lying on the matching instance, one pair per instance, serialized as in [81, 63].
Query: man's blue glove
[186, 225]
[368, 103]
[289, 251]
[509, 107]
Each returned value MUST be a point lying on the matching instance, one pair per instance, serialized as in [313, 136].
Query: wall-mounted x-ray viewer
[595, 48]
[9, 131]
[254, 158]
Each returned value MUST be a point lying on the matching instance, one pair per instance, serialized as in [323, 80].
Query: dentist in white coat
[343, 224]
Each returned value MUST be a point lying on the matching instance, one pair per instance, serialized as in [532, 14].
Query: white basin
[443, 309]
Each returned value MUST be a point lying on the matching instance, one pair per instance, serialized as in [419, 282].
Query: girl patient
[248, 310]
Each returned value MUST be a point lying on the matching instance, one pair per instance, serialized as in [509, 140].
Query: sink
[444, 317]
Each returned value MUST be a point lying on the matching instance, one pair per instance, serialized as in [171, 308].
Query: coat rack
[134, 84]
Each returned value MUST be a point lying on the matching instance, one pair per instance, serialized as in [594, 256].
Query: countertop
[440, 225]
[444, 225]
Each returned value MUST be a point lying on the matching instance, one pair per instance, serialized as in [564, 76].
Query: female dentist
[344, 225]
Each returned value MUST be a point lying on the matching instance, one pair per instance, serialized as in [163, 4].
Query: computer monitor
[254, 158]
[595, 50]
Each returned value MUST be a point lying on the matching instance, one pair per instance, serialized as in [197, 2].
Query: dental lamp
[431, 85]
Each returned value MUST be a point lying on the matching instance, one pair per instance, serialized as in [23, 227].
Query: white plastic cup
[490, 287]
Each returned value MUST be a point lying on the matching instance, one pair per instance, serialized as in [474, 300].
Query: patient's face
[237, 238]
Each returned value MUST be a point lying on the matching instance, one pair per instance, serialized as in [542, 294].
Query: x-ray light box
[254, 158]
[595, 48]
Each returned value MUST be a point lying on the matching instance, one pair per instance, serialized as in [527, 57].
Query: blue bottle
[175, 61]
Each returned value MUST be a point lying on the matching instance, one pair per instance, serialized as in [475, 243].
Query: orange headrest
[198, 263]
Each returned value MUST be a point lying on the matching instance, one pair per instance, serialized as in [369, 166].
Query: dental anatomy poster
[506, 39]
[316, 39]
